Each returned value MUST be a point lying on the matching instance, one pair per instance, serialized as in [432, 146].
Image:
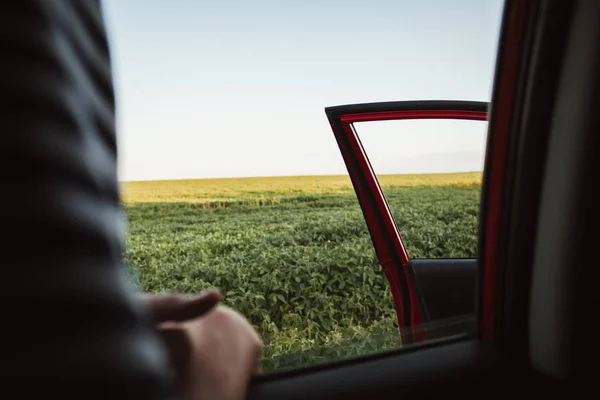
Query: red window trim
[420, 114]
[500, 124]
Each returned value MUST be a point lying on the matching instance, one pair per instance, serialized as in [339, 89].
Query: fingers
[259, 352]
[258, 368]
[178, 348]
[177, 307]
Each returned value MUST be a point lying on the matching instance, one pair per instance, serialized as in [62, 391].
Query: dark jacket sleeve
[69, 323]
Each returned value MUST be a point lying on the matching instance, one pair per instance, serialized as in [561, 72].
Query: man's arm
[71, 326]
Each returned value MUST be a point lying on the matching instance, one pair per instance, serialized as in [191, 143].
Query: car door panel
[423, 290]
[448, 286]
[458, 363]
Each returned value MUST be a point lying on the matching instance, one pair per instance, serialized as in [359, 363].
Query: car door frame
[412, 301]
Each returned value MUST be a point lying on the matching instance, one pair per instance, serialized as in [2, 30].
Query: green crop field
[293, 254]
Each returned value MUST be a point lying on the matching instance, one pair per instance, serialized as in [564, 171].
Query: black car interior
[63, 281]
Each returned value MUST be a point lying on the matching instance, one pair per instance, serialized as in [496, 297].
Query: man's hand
[179, 307]
[167, 308]
[225, 353]
[214, 349]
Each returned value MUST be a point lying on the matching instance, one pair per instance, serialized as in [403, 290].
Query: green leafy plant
[300, 267]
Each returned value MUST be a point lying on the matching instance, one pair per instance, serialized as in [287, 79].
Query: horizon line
[289, 176]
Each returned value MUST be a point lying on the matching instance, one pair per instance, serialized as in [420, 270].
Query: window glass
[233, 179]
[430, 172]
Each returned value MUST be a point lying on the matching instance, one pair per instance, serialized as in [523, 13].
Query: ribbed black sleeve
[69, 325]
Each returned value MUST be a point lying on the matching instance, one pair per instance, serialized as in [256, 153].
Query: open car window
[276, 225]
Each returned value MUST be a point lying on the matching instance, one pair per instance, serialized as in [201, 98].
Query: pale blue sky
[238, 88]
